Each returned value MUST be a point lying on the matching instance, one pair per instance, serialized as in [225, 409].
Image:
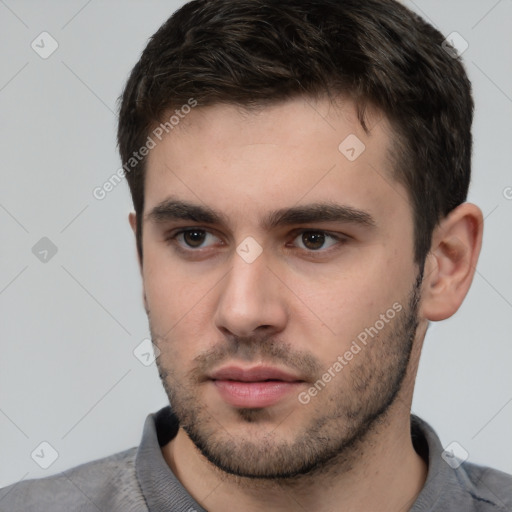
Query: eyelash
[340, 239]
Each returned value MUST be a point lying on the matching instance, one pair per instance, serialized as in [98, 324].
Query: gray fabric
[139, 480]
[468, 488]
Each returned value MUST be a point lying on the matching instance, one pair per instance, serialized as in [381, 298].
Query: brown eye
[317, 241]
[313, 240]
[194, 238]
[191, 239]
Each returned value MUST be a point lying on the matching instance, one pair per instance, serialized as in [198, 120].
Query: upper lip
[254, 374]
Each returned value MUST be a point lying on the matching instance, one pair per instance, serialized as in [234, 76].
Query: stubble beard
[340, 419]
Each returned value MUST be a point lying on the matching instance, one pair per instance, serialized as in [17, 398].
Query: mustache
[256, 349]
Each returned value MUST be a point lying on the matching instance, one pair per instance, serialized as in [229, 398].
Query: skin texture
[298, 307]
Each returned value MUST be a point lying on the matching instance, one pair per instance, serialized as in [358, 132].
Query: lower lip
[254, 394]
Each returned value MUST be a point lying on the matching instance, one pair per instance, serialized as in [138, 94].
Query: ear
[451, 262]
[132, 218]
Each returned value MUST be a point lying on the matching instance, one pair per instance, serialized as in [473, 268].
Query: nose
[251, 298]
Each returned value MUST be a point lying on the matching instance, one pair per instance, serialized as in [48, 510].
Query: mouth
[256, 387]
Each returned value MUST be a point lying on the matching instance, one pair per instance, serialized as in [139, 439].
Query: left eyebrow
[173, 209]
[319, 212]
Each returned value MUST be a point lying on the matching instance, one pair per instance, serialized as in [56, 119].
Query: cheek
[177, 306]
[167, 286]
[165, 292]
[346, 302]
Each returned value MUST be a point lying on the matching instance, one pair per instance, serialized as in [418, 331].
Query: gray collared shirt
[139, 480]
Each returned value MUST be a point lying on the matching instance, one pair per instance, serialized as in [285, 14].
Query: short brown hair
[255, 52]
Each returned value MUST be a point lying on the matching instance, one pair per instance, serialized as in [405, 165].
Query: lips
[256, 387]
[255, 374]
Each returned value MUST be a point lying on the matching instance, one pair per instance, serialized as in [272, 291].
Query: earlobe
[145, 301]
[132, 219]
[451, 263]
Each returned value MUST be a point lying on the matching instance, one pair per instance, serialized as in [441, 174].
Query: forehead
[299, 151]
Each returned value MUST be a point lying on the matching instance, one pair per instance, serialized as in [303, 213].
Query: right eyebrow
[172, 209]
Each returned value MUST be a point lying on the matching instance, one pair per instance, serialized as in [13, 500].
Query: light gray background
[69, 326]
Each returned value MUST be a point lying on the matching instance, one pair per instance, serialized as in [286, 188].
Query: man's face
[285, 320]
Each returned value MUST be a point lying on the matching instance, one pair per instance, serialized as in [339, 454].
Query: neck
[382, 472]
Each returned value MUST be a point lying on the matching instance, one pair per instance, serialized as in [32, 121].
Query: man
[299, 173]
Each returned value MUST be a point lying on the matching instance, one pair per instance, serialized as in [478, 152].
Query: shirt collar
[163, 492]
